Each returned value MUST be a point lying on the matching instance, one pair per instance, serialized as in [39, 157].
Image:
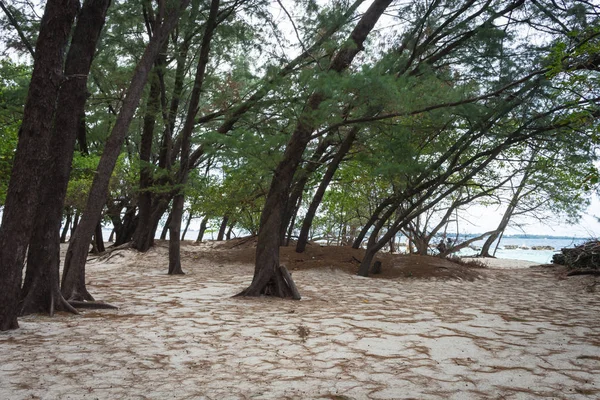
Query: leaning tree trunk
[23, 196]
[372, 220]
[41, 291]
[202, 229]
[269, 277]
[187, 226]
[73, 281]
[508, 214]
[318, 197]
[222, 228]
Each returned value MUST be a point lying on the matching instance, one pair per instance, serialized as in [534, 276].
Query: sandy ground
[510, 334]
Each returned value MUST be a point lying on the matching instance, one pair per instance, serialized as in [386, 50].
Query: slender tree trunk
[229, 230]
[202, 229]
[23, 196]
[318, 197]
[302, 177]
[485, 250]
[222, 228]
[187, 225]
[165, 230]
[374, 217]
[175, 236]
[73, 281]
[269, 277]
[75, 223]
[99, 239]
[111, 237]
[65, 231]
[186, 134]
[141, 241]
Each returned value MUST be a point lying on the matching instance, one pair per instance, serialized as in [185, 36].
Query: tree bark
[175, 236]
[65, 231]
[75, 223]
[187, 225]
[23, 194]
[186, 134]
[98, 238]
[202, 229]
[222, 228]
[229, 230]
[165, 230]
[267, 273]
[74, 271]
[143, 237]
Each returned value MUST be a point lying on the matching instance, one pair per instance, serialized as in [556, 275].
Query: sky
[479, 219]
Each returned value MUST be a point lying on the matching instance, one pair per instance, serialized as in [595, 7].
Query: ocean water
[525, 244]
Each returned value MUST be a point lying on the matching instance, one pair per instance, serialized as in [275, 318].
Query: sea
[525, 244]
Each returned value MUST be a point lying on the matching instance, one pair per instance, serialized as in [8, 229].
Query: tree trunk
[99, 239]
[374, 217]
[187, 225]
[65, 231]
[267, 275]
[23, 196]
[75, 223]
[165, 230]
[485, 250]
[302, 177]
[186, 134]
[202, 229]
[318, 197]
[41, 292]
[229, 230]
[73, 281]
[175, 235]
[222, 228]
[126, 228]
[141, 240]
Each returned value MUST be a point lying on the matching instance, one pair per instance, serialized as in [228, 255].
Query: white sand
[518, 334]
[502, 263]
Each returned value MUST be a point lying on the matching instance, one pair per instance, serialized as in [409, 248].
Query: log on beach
[585, 256]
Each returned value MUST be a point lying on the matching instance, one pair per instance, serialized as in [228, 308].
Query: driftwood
[584, 257]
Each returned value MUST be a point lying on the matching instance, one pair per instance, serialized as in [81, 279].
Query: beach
[509, 331]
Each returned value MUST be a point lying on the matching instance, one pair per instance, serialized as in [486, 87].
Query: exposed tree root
[278, 284]
[244, 240]
[593, 272]
[94, 305]
[108, 254]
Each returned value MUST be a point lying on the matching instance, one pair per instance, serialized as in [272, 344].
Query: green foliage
[82, 174]
[14, 80]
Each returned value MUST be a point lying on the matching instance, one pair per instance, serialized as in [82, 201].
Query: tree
[73, 280]
[269, 277]
[41, 288]
[23, 198]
